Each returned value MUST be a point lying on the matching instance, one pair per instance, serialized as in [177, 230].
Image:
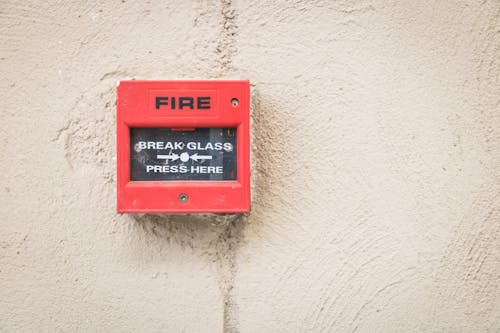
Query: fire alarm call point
[183, 146]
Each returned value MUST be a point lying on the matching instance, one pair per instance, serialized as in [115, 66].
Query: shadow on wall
[192, 229]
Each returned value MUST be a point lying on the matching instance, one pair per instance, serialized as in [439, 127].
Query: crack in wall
[227, 246]
[229, 240]
[226, 46]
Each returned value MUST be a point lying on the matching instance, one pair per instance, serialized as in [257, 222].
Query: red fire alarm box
[183, 146]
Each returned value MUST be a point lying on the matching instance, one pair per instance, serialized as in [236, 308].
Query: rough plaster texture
[376, 168]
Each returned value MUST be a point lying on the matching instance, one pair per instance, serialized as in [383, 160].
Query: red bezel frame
[134, 110]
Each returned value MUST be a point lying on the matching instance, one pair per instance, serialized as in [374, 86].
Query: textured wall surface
[376, 168]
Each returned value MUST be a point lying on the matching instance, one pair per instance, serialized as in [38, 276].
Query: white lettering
[207, 146]
[167, 168]
[206, 169]
[228, 146]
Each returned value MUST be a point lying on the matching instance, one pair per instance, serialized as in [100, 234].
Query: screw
[235, 102]
[183, 197]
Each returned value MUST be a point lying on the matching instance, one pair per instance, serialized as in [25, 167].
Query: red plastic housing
[136, 108]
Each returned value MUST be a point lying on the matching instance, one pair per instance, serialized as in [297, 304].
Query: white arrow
[197, 157]
[172, 157]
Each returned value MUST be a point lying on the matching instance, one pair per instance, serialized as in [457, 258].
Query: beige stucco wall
[376, 168]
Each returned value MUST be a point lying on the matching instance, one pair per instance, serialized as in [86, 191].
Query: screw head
[235, 102]
[183, 197]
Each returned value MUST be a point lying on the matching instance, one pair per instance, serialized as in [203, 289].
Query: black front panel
[163, 154]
